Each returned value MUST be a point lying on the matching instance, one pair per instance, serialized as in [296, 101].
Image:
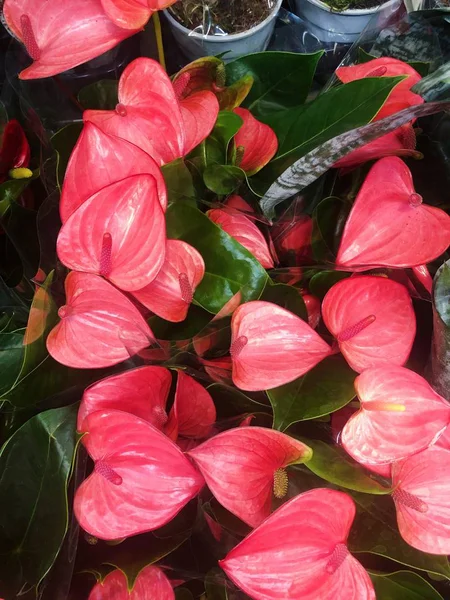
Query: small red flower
[150, 583]
[312, 304]
[256, 143]
[133, 14]
[294, 236]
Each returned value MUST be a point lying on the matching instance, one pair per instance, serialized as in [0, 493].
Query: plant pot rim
[350, 11]
[225, 38]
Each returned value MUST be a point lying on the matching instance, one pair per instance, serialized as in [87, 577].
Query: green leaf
[287, 297]
[35, 464]
[12, 352]
[317, 159]
[320, 283]
[216, 585]
[335, 466]
[230, 401]
[179, 182]
[12, 304]
[223, 179]
[281, 79]
[440, 350]
[403, 585]
[183, 594]
[196, 320]
[436, 85]
[229, 266]
[12, 189]
[100, 95]
[323, 390]
[329, 219]
[63, 143]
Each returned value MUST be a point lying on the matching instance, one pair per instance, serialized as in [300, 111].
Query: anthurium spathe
[14, 150]
[271, 346]
[99, 326]
[256, 143]
[400, 415]
[372, 319]
[133, 14]
[151, 116]
[300, 552]
[245, 469]
[98, 160]
[422, 500]
[61, 34]
[171, 293]
[141, 392]
[293, 236]
[150, 583]
[118, 233]
[193, 412]
[389, 225]
[140, 481]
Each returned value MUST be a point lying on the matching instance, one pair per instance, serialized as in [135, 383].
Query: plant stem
[159, 39]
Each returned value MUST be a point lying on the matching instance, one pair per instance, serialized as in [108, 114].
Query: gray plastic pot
[195, 45]
[331, 26]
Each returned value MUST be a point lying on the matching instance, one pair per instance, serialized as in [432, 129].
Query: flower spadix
[389, 225]
[372, 319]
[271, 346]
[300, 552]
[256, 143]
[400, 415]
[245, 468]
[150, 583]
[140, 481]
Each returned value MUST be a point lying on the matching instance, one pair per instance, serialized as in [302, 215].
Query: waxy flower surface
[256, 143]
[133, 14]
[151, 583]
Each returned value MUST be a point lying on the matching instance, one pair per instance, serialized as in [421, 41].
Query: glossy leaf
[287, 297]
[403, 585]
[223, 179]
[100, 95]
[323, 281]
[178, 178]
[440, 350]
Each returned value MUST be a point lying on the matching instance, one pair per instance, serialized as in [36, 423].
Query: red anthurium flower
[388, 224]
[245, 468]
[150, 115]
[119, 233]
[372, 319]
[294, 236]
[300, 552]
[422, 274]
[133, 14]
[271, 346]
[256, 143]
[244, 231]
[238, 203]
[150, 583]
[193, 412]
[140, 481]
[61, 35]
[219, 369]
[141, 392]
[312, 304]
[400, 414]
[171, 293]
[422, 500]
[98, 160]
[99, 326]
[14, 150]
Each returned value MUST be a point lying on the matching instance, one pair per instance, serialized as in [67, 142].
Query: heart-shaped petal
[388, 224]
[300, 552]
[244, 468]
[171, 293]
[271, 346]
[140, 481]
[422, 500]
[258, 142]
[141, 392]
[119, 233]
[99, 326]
[400, 415]
[98, 160]
[61, 35]
[372, 319]
[150, 583]
[199, 113]
[129, 14]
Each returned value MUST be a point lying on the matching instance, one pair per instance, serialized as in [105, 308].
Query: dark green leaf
[230, 401]
[197, 319]
[287, 297]
[178, 181]
[335, 466]
[229, 266]
[440, 351]
[281, 79]
[12, 189]
[63, 143]
[436, 85]
[183, 594]
[323, 390]
[12, 352]
[12, 304]
[35, 464]
[216, 585]
[100, 95]
[321, 282]
[403, 585]
[328, 222]
[223, 179]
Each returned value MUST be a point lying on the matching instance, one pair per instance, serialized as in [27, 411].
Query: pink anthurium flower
[271, 346]
[256, 143]
[140, 481]
[141, 392]
[400, 415]
[444, 439]
[60, 35]
[118, 233]
[422, 500]
[193, 412]
[423, 276]
[245, 469]
[372, 319]
[99, 326]
[388, 224]
[294, 236]
[300, 552]
[98, 160]
[150, 115]
[133, 14]
[150, 583]
[171, 293]
[14, 150]
[219, 369]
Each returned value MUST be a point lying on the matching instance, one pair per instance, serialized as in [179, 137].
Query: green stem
[159, 39]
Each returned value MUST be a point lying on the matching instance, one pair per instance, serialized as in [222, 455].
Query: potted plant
[212, 27]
